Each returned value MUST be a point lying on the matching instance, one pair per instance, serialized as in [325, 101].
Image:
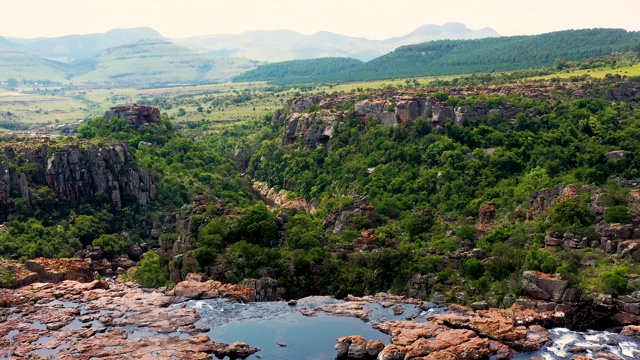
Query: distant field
[222, 103]
[631, 70]
[42, 109]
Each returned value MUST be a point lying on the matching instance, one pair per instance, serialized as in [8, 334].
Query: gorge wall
[41, 171]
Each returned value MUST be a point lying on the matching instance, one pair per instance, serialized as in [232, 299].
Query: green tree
[151, 272]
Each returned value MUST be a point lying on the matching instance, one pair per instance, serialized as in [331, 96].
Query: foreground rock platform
[101, 320]
[460, 333]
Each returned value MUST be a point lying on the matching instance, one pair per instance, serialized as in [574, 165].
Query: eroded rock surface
[73, 320]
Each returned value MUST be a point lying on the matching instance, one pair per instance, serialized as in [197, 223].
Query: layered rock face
[314, 129]
[74, 172]
[313, 119]
[136, 115]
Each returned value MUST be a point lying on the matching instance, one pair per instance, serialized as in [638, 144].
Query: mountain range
[282, 45]
[142, 56]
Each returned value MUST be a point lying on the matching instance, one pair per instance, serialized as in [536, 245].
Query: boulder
[631, 330]
[266, 289]
[543, 286]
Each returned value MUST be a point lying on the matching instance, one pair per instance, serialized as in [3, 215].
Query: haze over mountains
[143, 56]
[282, 45]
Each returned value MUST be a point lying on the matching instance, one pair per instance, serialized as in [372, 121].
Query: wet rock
[127, 307]
[352, 346]
[236, 350]
[631, 330]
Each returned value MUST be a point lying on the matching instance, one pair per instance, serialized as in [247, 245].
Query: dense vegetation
[300, 71]
[449, 57]
[407, 199]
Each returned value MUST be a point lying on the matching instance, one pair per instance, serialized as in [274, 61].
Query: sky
[373, 19]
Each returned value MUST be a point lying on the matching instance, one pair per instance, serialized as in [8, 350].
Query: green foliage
[258, 226]
[618, 214]
[472, 268]
[571, 212]
[449, 57]
[299, 71]
[541, 260]
[111, 244]
[151, 272]
[615, 282]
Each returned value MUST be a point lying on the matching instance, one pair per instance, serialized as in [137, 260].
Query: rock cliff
[43, 172]
[313, 119]
[136, 115]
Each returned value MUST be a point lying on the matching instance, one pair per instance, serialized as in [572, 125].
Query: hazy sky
[374, 19]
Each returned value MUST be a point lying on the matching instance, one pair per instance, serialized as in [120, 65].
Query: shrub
[540, 260]
[151, 272]
[618, 214]
[614, 283]
[472, 268]
[571, 212]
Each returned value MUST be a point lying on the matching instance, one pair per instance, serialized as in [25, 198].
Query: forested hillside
[443, 193]
[450, 57]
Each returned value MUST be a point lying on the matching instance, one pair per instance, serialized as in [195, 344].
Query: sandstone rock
[614, 230]
[543, 286]
[487, 213]
[76, 173]
[616, 155]
[407, 111]
[313, 129]
[14, 274]
[266, 289]
[56, 270]
[374, 347]
[282, 199]
[631, 330]
[300, 104]
[210, 289]
[136, 115]
[480, 305]
[628, 247]
[628, 307]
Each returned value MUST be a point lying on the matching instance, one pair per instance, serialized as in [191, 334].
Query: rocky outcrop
[623, 93]
[313, 129]
[462, 334]
[14, 274]
[186, 290]
[357, 347]
[136, 115]
[74, 173]
[336, 221]
[280, 198]
[312, 118]
[265, 289]
[56, 270]
[544, 286]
